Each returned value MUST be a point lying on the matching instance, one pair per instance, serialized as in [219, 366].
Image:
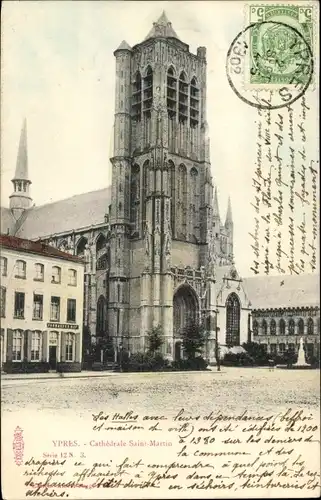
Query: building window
[3, 264]
[69, 346]
[3, 302]
[291, 327]
[71, 310]
[35, 345]
[310, 326]
[72, 277]
[55, 309]
[291, 348]
[39, 271]
[17, 346]
[273, 348]
[255, 327]
[273, 327]
[19, 305]
[101, 316]
[282, 327]
[21, 269]
[56, 275]
[37, 306]
[281, 348]
[264, 327]
[233, 320]
[301, 326]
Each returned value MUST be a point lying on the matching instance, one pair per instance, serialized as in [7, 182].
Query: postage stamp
[281, 37]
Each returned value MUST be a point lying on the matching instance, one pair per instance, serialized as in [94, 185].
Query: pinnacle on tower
[124, 46]
[229, 219]
[162, 28]
[216, 211]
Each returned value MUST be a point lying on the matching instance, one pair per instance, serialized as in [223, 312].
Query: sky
[58, 71]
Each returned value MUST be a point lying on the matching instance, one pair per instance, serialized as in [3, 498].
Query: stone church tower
[165, 236]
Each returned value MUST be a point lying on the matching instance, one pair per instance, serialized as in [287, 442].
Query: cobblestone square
[232, 389]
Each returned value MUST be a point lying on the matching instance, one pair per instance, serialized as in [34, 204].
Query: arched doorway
[185, 309]
[233, 315]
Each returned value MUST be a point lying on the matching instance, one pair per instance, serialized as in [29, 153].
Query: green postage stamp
[281, 36]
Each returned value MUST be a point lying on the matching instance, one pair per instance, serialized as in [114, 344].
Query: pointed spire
[216, 211]
[162, 28]
[21, 173]
[229, 219]
[124, 46]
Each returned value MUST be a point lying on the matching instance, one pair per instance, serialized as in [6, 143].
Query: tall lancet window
[171, 93]
[135, 198]
[193, 204]
[194, 103]
[171, 192]
[137, 97]
[148, 92]
[145, 193]
[182, 98]
[233, 314]
[181, 202]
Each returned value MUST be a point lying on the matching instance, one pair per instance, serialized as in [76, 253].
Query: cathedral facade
[155, 249]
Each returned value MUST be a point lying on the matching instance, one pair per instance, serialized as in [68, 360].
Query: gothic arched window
[255, 327]
[181, 202]
[193, 201]
[301, 326]
[183, 98]
[81, 246]
[282, 327]
[145, 192]
[310, 326]
[148, 92]
[273, 327]
[101, 316]
[291, 327]
[100, 242]
[135, 197]
[233, 315]
[264, 327]
[171, 93]
[137, 98]
[194, 103]
[171, 191]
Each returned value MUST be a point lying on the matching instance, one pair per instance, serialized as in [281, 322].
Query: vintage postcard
[160, 308]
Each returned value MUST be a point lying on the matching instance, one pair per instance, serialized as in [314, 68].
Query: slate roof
[271, 292]
[79, 211]
[7, 220]
[34, 247]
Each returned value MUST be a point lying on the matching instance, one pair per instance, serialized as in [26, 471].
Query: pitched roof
[35, 247]
[162, 28]
[124, 46]
[79, 211]
[7, 220]
[271, 292]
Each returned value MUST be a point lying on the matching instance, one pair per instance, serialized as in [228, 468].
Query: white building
[41, 307]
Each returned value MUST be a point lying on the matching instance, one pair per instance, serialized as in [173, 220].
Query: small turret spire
[20, 199]
[229, 218]
[216, 211]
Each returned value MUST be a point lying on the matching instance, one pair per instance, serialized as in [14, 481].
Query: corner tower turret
[20, 200]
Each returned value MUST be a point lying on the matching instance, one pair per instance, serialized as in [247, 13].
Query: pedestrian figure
[271, 365]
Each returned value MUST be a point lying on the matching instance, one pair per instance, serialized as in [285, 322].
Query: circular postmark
[269, 65]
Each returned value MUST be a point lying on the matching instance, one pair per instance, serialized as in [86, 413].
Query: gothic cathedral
[155, 248]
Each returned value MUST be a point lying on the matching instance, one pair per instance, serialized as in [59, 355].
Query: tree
[155, 339]
[257, 352]
[194, 339]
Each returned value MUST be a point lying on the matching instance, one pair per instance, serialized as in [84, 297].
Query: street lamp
[121, 356]
[217, 349]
